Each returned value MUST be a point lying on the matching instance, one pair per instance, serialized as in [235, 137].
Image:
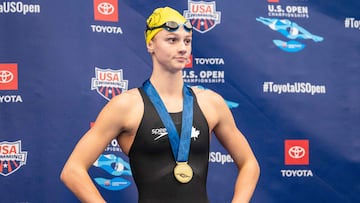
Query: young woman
[164, 127]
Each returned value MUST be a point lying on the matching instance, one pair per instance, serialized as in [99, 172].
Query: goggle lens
[172, 26]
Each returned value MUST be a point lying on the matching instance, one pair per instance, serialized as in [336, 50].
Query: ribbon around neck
[180, 146]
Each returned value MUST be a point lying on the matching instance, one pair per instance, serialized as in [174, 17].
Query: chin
[179, 66]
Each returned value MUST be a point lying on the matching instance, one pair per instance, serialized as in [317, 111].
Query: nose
[182, 47]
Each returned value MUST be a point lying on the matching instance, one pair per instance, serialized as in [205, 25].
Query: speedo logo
[158, 133]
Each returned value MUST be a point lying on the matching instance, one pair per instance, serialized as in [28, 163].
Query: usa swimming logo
[11, 157]
[203, 15]
[109, 83]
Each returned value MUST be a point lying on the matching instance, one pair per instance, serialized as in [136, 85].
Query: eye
[187, 41]
[172, 40]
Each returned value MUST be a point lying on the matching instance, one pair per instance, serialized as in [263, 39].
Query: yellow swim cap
[159, 17]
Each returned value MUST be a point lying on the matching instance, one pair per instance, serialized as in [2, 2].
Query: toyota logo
[6, 76]
[296, 152]
[106, 8]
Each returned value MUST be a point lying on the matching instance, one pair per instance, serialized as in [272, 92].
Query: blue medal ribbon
[180, 146]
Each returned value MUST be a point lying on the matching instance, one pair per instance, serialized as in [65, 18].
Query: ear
[150, 47]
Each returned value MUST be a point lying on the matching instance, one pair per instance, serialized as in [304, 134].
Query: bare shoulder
[207, 96]
[128, 99]
[211, 104]
[124, 110]
[132, 94]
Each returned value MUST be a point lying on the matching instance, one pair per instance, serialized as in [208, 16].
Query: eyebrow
[177, 35]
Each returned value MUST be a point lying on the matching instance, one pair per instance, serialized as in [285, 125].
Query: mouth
[181, 59]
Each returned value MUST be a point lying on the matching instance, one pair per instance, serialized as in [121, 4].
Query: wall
[288, 69]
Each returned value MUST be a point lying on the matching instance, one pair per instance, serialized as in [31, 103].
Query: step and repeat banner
[289, 71]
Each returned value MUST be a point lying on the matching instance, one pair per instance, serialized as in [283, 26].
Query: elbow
[257, 169]
[72, 173]
[66, 174]
[63, 175]
[252, 168]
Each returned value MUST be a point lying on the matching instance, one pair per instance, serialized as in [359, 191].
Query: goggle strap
[171, 26]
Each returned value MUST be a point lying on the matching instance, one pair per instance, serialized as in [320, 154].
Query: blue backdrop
[288, 69]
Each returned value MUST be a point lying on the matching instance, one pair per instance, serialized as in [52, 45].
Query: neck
[168, 84]
[170, 90]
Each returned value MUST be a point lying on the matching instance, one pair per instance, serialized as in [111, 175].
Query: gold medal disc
[183, 172]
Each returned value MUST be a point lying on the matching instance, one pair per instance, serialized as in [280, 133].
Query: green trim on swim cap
[159, 17]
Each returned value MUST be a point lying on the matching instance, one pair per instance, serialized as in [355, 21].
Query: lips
[181, 59]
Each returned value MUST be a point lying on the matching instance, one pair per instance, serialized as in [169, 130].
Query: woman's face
[171, 50]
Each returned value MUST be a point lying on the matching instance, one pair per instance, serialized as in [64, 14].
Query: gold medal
[183, 172]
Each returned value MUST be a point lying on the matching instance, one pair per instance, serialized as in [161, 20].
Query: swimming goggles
[172, 26]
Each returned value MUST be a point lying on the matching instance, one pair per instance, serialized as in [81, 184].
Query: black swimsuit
[152, 162]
